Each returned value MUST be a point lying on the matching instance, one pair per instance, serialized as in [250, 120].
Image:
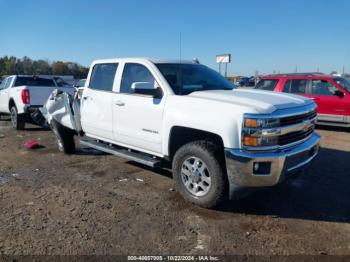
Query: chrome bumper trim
[239, 164]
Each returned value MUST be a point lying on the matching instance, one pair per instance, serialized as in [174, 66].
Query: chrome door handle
[120, 103]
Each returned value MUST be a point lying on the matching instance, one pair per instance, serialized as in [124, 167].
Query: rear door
[330, 106]
[97, 102]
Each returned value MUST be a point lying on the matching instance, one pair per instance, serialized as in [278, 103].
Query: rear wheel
[18, 121]
[64, 138]
[199, 174]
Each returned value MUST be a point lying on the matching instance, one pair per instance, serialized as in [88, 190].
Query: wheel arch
[11, 104]
[180, 136]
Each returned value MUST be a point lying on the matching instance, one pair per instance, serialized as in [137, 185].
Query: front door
[137, 118]
[97, 102]
[330, 106]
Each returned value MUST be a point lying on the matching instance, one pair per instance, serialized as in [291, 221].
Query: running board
[138, 157]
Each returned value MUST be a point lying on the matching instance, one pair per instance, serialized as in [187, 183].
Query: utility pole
[343, 70]
[296, 69]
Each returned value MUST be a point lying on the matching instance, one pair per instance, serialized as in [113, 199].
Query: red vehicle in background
[330, 93]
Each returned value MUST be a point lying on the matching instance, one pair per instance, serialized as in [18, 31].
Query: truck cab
[217, 140]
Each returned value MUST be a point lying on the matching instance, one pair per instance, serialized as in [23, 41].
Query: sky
[263, 36]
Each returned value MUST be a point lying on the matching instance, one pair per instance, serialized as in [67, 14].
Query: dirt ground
[92, 203]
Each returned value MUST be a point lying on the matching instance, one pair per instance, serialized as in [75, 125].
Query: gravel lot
[92, 203]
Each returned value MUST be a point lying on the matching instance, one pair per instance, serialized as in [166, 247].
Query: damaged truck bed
[63, 108]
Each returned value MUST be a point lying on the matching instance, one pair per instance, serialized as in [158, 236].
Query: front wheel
[199, 174]
[18, 121]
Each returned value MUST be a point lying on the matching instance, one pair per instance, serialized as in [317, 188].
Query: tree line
[11, 65]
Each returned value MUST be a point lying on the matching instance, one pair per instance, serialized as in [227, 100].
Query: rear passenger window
[297, 86]
[102, 77]
[266, 84]
[286, 87]
[322, 87]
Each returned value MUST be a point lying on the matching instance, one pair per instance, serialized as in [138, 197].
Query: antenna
[180, 65]
[180, 47]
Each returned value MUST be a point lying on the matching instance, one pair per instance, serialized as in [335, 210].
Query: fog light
[262, 168]
[256, 167]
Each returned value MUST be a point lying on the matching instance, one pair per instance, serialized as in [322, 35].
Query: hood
[261, 101]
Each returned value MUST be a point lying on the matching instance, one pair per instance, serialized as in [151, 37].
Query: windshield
[33, 81]
[187, 78]
[267, 84]
[345, 83]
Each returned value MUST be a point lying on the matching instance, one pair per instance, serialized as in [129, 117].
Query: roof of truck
[135, 59]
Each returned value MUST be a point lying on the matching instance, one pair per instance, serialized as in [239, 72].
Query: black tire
[64, 138]
[18, 121]
[210, 155]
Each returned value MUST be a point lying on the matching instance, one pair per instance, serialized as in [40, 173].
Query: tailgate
[40, 94]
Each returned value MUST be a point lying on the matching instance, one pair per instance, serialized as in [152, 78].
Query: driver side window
[134, 73]
[322, 87]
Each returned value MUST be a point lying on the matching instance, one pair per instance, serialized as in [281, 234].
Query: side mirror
[147, 88]
[339, 93]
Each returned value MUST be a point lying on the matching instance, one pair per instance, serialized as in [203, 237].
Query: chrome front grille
[292, 120]
[304, 123]
[294, 136]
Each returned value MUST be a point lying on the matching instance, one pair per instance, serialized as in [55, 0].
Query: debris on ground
[32, 144]
[139, 179]
[2, 135]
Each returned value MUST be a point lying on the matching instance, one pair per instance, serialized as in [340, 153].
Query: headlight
[261, 123]
[262, 132]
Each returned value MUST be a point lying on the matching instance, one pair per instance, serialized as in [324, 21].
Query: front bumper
[240, 164]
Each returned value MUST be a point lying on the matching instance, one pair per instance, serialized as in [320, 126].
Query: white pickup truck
[218, 141]
[21, 95]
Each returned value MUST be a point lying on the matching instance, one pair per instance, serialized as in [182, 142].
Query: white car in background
[22, 95]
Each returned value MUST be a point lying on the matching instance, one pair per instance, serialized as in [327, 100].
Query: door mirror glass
[339, 93]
